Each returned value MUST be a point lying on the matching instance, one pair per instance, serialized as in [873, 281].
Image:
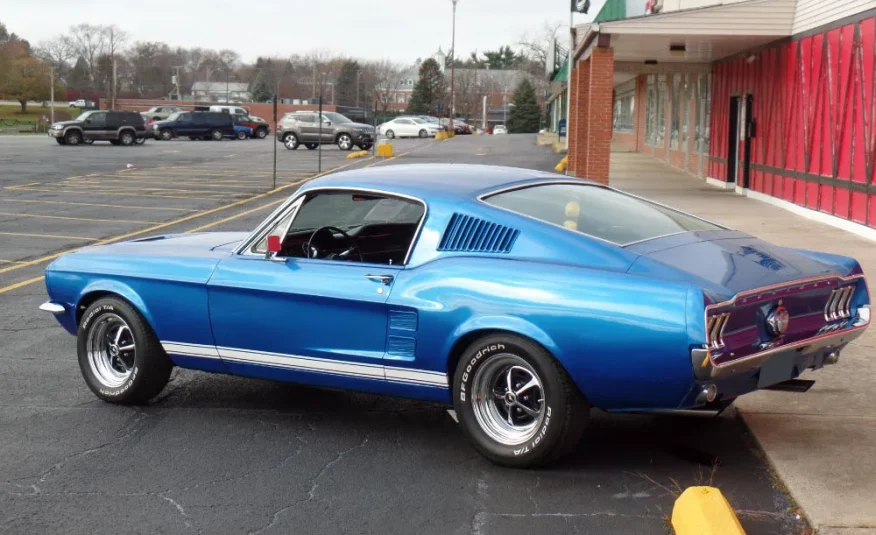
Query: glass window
[651, 110]
[685, 109]
[601, 212]
[675, 120]
[624, 106]
[661, 111]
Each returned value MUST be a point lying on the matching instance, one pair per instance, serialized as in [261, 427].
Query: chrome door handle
[385, 279]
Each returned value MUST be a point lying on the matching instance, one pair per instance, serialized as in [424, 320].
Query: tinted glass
[347, 210]
[600, 212]
[97, 119]
[305, 118]
[335, 118]
[186, 117]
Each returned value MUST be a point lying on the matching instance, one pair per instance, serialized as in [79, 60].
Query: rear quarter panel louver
[474, 235]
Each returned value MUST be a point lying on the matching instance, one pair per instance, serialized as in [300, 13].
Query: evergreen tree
[260, 89]
[345, 85]
[429, 89]
[525, 116]
[79, 78]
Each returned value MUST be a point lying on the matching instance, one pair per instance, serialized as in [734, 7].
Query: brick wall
[601, 107]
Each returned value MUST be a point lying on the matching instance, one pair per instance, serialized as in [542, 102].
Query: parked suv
[118, 127]
[195, 125]
[302, 127]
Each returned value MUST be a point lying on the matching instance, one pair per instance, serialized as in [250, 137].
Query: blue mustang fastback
[521, 298]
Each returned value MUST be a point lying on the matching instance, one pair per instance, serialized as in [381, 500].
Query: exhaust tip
[711, 393]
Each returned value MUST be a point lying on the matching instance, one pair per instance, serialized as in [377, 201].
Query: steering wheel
[312, 252]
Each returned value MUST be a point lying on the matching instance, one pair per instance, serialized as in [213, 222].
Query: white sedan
[408, 127]
[499, 129]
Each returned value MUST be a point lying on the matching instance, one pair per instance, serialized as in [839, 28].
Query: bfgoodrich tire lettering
[546, 426]
[131, 376]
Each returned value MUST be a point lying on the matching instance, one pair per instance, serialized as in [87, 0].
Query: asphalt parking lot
[219, 454]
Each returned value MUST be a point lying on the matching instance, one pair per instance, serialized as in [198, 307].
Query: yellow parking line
[169, 223]
[98, 185]
[174, 182]
[9, 262]
[53, 236]
[119, 194]
[100, 205]
[79, 218]
[236, 216]
[21, 284]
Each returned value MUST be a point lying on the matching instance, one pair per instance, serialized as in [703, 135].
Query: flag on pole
[580, 6]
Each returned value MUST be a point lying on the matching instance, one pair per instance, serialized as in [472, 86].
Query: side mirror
[275, 244]
[88, 120]
[327, 123]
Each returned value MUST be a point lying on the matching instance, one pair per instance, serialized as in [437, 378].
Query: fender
[119, 288]
[499, 323]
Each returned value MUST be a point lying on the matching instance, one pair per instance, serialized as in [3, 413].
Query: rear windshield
[601, 212]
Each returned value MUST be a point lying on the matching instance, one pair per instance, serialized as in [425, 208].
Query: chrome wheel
[111, 350]
[508, 399]
[345, 142]
[166, 135]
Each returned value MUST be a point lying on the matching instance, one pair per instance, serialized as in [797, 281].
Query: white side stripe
[296, 362]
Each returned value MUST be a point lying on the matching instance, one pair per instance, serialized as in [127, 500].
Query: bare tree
[387, 78]
[58, 52]
[538, 47]
[89, 42]
[115, 39]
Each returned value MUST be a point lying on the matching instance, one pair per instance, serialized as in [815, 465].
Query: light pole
[452, 63]
[358, 73]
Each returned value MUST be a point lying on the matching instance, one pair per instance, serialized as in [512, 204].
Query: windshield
[600, 212]
[84, 115]
[336, 117]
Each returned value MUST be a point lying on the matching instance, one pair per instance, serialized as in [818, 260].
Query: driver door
[314, 320]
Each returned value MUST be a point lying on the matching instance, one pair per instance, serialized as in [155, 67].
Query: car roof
[428, 181]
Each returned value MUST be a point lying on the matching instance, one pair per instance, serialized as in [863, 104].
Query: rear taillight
[838, 306]
[715, 330]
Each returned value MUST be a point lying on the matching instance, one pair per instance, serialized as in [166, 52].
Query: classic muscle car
[520, 298]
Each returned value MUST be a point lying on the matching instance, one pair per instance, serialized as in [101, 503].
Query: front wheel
[345, 142]
[262, 133]
[73, 138]
[166, 134]
[120, 357]
[515, 403]
[216, 135]
[423, 133]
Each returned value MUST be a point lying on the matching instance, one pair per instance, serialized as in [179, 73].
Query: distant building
[221, 91]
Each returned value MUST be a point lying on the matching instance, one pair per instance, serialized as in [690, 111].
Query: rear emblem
[777, 321]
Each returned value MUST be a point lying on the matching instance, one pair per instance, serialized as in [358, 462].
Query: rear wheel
[216, 135]
[516, 403]
[73, 137]
[290, 141]
[120, 357]
[127, 138]
[390, 134]
[345, 142]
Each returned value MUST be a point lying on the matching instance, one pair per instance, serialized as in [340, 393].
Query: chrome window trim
[262, 229]
[484, 196]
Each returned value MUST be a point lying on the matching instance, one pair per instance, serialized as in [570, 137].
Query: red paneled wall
[815, 108]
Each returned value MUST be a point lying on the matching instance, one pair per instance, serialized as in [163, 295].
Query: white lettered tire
[120, 358]
[540, 418]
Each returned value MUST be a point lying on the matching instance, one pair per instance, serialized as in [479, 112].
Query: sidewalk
[822, 444]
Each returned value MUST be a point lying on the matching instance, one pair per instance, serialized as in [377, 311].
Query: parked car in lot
[260, 127]
[233, 110]
[195, 125]
[118, 127]
[461, 128]
[435, 120]
[406, 126]
[303, 128]
[241, 132]
[499, 129]
[521, 298]
[160, 113]
[80, 103]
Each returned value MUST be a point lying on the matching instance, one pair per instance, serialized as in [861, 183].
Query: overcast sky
[402, 30]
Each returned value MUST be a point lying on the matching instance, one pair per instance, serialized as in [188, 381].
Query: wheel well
[462, 344]
[89, 299]
[339, 134]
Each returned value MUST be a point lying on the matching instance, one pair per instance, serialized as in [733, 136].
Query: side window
[96, 120]
[306, 118]
[403, 121]
[186, 117]
[377, 229]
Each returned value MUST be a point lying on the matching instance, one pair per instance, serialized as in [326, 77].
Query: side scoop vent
[474, 235]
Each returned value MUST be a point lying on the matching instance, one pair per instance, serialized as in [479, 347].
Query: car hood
[724, 263]
[356, 125]
[66, 123]
[207, 244]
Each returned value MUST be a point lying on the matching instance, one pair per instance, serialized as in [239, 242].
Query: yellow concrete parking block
[357, 154]
[704, 511]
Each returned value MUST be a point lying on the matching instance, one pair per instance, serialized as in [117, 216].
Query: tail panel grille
[474, 235]
[838, 306]
[715, 331]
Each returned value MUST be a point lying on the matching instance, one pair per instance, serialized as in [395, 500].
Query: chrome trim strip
[484, 196]
[784, 285]
[54, 308]
[311, 364]
[301, 193]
